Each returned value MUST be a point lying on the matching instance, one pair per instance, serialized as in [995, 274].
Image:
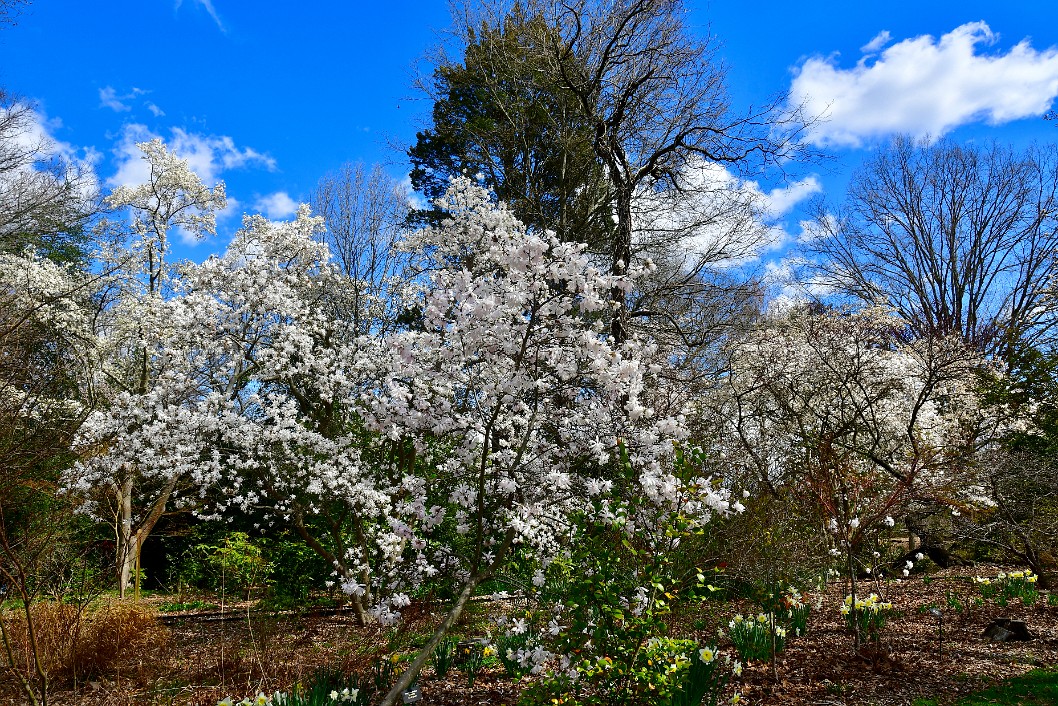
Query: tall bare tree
[364, 211]
[655, 97]
[959, 239]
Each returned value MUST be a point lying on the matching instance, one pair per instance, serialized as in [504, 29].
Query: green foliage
[295, 571]
[1029, 390]
[281, 570]
[616, 591]
[443, 656]
[383, 673]
[954, 604]
[177, 606]
[507, 647]
[471, 660]
[1036, 688]
[795, 619]
[704, 680]
[326, 687]
[240, 562]
[867, 617]
[499, 114]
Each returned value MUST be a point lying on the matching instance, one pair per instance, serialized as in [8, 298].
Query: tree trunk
[409, 675]
[622, 261]
[130, 537]
[125, 549]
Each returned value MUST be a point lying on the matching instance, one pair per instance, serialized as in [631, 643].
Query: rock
[1007, 630]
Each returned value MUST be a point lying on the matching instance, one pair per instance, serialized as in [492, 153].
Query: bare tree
[655, 97]
[365, 212]
[45, 197]
[1021, 519]
[959, 239]
[10, 10]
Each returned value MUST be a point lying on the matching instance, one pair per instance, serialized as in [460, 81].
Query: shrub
[76, 644]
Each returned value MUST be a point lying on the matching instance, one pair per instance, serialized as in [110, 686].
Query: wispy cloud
[118, 102]
[206, 5]
[879, 41]
[718, 216]
[925, 86]
[781, 200]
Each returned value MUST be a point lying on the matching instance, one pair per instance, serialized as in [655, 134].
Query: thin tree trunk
[410, 674]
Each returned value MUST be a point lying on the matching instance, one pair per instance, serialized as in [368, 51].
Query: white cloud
[879, 41]
[417, 202]
[123, 102]
[207, 155]
[276, 206]
[206, 5]
[926, 87]
[792, 284]
[110, 98]
[34, 134]
[782, 200]
[718, 216]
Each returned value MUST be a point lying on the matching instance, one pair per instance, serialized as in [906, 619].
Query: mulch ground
[203, 661]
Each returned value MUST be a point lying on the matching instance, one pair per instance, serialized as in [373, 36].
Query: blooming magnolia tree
[838, 389]
[510, 377]
[133, 367]
[493, 416]
[866, 422]
[258, 401]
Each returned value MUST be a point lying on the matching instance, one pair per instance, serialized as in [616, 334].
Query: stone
[1007, 630]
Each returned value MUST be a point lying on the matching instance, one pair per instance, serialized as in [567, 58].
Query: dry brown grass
[77, 645]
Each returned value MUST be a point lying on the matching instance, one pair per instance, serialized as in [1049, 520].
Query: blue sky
[270, 96]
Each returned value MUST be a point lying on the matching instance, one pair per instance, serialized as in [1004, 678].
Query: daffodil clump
[472, 660]
[1007, 587]
[313, 697]
[326, 687]
[868, 616]
[689, 674]
[795, 610]
[754, 636]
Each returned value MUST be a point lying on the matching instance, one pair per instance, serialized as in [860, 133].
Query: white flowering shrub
[612, 593]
